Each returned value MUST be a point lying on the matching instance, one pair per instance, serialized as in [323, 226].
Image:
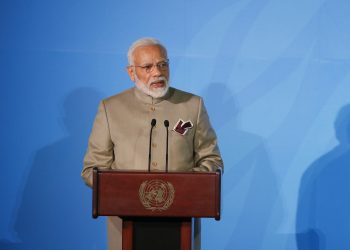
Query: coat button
[154, 164]
[154, 145]
[153, 108]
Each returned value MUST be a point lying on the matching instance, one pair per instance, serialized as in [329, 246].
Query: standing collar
[149, 99]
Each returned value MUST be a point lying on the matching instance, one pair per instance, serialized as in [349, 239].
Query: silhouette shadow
[250, 191]
[323, 220]
[55, 210]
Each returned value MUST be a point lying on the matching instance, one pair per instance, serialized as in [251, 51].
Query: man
[120, 134]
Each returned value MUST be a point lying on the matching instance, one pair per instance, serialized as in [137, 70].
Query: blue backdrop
[275, 78]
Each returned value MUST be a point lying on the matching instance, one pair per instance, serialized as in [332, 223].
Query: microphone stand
[166, 124]
[153, 123]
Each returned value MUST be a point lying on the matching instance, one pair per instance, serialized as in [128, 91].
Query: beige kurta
[120, 134]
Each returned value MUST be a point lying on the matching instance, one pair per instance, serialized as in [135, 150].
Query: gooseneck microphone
[153, 123]
[166, 124]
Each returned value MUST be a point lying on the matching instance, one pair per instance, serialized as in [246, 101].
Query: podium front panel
[156, 194]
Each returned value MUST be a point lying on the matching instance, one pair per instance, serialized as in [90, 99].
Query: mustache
[161, 78]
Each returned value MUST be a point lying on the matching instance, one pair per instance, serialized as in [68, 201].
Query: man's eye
[147, 67]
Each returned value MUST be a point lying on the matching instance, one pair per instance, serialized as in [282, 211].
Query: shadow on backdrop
[323, 220]
[248, 176]
[55, 210]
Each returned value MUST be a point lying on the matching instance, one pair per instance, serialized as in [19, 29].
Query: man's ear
[131, 70]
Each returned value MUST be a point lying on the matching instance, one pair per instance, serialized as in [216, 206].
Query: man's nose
[156, 71]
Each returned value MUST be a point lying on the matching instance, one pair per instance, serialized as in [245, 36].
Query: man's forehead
[149, 52]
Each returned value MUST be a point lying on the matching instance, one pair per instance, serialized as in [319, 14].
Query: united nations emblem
[156, 195]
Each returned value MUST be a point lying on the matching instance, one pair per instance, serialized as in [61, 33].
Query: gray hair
[146, 41]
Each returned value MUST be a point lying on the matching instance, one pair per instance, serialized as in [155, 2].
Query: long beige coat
[120, 135]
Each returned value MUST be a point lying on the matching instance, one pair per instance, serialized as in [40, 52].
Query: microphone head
[153, 122]
[166, 123]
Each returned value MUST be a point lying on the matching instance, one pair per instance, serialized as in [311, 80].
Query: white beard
[146, 88]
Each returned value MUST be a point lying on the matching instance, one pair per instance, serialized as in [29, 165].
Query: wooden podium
[156, 207]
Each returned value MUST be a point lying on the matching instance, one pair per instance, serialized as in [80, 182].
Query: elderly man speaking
[120, 135]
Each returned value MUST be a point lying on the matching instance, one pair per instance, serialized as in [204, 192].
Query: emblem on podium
[156, 195]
